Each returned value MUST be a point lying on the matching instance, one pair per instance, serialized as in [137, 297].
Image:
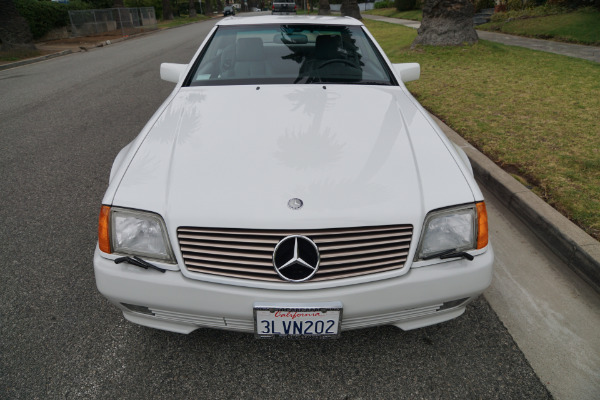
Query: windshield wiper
[450, 253]
[368, 83]
[135, 260]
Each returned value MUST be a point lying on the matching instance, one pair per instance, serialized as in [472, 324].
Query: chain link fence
[124, 21]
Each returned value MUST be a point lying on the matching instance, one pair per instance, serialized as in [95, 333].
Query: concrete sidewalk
[591, 53]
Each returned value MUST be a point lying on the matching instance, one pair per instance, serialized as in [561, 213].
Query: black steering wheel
[337, 60]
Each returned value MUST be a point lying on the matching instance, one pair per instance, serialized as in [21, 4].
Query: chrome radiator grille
[248, 254]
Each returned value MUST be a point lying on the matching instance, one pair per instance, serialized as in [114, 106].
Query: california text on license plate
[297, 321]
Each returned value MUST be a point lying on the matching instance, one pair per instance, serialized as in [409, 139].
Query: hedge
[405, 5]
[43, 16]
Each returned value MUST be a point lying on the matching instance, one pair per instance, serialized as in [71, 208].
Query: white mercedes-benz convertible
[291, 186]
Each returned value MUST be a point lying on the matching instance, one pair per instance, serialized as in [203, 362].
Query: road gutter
[34, 60]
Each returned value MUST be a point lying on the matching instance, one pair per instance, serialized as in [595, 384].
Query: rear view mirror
[408, 71]
[294, 38]
[172, 72]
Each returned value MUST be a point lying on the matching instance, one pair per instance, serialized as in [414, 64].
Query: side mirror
[172, 72]
[408, 71]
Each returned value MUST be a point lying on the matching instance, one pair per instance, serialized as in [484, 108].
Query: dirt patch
[75, 44]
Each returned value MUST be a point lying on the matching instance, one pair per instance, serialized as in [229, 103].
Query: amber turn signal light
[103, 227]
[482, 225]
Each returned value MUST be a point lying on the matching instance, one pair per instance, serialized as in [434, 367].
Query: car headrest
[326, 46]
[249, 49]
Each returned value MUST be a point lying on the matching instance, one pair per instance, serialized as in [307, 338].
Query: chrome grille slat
[319, 240]
[269, 278]
[194, 265]
[206, 250]
[248, 253]
[327, 269]
[364, 259]
[365, 251]
[356, 269]
[362, 244]
[350, 275]
[231, 239]
[224, 245]
[231, 260]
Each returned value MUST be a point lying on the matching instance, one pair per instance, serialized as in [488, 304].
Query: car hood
[233, 156]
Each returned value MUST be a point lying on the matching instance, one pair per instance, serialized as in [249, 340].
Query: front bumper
[170, 301]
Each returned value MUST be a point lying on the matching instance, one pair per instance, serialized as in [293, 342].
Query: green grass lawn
[582, 26]
[535, 114]
[181, 21]
[415, 15]
[11, 56]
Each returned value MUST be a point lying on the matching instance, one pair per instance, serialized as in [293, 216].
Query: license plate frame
[298, 320]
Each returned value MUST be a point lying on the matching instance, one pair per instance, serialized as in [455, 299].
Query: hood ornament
[295, 204]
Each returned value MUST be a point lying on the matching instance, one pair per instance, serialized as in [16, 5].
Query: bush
[382, 4]
[481, 4]
[575, 3]
[541, 11]
[525, 4]
[43, 16]
[405, 5]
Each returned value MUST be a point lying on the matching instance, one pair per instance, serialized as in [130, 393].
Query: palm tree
[192, 8]
[447, 23]
[208, 8]
[350, 9]
[167, 11]
[324, 8]
[14, 29]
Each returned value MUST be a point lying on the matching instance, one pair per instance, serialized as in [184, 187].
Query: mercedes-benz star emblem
[295, 204]
[296, 258]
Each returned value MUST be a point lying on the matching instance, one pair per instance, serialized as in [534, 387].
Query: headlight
[460, 228]
[139, 233]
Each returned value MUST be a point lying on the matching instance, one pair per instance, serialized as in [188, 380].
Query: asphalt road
[62, 122]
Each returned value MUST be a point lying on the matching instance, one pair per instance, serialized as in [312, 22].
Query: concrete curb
[34, 60]
[571, 244]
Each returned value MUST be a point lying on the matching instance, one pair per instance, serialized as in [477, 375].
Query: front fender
[463, 156]
[118, 161]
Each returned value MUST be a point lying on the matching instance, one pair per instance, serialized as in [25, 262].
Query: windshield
[299, 54]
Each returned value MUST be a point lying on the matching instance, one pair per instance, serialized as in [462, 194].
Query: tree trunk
[350, 9]
[344, 7]
[208, 8]
[447, 23]
[14, 29]
[192, 8]
[167, 11]
[324, 8]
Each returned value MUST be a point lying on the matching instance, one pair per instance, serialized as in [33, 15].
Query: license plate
[298, 321]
